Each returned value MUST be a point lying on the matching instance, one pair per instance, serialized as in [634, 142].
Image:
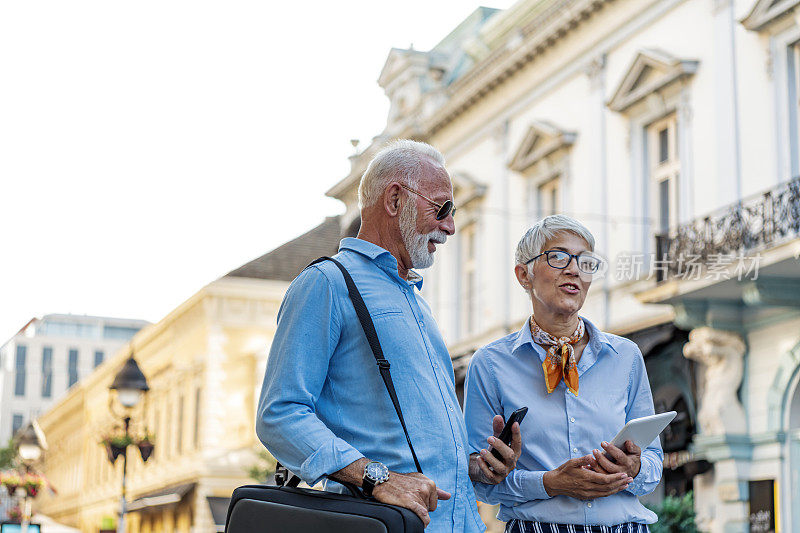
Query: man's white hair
[531, 244]
[400, 160]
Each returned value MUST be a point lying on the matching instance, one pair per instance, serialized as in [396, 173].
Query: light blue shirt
[323, 403]
[507, 374]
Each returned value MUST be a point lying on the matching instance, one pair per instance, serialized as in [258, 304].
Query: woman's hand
[485, 467]
[627, 460]
[576, 479]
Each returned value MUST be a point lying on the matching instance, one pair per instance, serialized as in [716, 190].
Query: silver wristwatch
[375, 473]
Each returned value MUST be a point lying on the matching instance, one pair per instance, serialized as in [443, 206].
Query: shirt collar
[596, 337]
[381, 257]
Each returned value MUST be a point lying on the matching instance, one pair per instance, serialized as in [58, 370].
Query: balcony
[756, 224]
[737, 268]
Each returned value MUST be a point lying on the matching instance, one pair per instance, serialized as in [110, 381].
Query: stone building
[671, 129]
[204, 363]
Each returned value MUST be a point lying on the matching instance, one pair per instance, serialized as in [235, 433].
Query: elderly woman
[581, 386]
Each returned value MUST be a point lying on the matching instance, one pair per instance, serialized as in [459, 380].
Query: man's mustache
[437, 236]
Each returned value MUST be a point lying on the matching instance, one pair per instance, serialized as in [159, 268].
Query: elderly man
[324, 411]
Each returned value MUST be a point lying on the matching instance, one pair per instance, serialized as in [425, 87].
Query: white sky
[147, 148]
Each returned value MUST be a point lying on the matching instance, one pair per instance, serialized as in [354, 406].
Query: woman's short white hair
[400, 160]
[531, 244]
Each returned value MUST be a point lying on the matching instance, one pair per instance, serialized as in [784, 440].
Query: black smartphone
[505, 435]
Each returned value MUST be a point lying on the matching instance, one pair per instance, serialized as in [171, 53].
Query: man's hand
[413, 491]
[485, 467]
[628, 460]
[576, 479]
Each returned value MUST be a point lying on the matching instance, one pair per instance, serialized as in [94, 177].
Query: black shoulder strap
[372, 337]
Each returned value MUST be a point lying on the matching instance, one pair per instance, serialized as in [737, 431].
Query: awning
[219, 510]
[167, 496]
[48, 525]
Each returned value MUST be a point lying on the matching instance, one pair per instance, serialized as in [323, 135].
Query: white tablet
[642, 431]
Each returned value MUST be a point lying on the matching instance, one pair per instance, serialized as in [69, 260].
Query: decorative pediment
[466, 189]
[766, 11]
[398, 61]
[409, 78]
[650, 72]
[542, 140]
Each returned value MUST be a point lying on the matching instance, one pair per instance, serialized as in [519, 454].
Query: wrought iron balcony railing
[752, 225]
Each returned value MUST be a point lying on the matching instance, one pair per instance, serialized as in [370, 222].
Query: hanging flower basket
[10, 480]
[145, 448]
[33, 484]
[116, 445]
[113, 452]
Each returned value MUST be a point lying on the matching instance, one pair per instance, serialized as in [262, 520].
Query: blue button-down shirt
[507, 374]
[323, 403]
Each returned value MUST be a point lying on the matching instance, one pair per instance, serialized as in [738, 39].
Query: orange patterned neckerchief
[560, 361]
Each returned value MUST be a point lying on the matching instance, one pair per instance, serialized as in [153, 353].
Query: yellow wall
[213, 348]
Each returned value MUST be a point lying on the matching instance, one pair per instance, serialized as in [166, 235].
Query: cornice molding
[765, 12]
[649, 72]
[543, 25]
[550, 25]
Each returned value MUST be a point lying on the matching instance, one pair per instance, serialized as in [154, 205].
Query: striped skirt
[526, 526]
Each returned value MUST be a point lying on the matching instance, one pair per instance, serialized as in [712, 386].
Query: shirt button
[574, 450]
[589, 504]
[451, 407]
[572, 419]
[458, 446]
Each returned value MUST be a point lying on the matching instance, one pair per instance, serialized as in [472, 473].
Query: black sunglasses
[445, 209]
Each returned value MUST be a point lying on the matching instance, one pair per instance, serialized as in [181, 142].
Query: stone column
[213, 395]
[726, 103]
[686, 190]
[721, 495]
[596, 73]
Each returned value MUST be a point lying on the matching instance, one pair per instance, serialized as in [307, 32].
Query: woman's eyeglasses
[587, 263]
[445, 209]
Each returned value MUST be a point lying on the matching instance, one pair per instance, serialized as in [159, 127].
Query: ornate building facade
[204, 363]
[670, 128]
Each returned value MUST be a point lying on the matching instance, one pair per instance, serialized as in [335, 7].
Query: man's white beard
[416, 243]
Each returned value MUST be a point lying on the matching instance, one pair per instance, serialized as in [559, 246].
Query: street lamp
[29, 447]
[130, 385]
[29, 450]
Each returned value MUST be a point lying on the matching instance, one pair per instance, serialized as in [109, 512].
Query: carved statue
[721, 352]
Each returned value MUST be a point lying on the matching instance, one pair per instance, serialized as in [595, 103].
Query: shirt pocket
[385, 312]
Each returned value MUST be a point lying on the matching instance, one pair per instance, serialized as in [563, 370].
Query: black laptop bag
[285, 508]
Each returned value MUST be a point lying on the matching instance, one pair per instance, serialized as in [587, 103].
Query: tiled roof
[286, 261]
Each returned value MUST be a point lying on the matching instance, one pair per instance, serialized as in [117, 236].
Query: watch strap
[367, 485]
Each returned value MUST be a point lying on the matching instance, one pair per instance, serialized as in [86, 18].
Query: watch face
[377, 471]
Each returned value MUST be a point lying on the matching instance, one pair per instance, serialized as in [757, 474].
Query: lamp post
[29, 450]
[29, 447]
[130, 385]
